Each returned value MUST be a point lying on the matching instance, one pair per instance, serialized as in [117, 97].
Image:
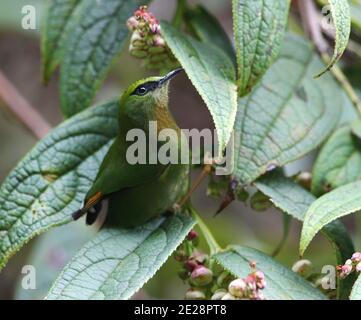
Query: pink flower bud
[345, 270]
[190, 264]
[260, 279]
[132, 23]
[192, 235]
[195, 294]
[302, 266]
[201, 276]
[228, 296]
[358, 267]
[199, 256]
[219, 294]
[356, 257]
[159, 41]
[237, 288]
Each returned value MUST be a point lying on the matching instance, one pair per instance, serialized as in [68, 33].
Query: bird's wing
[116, 173]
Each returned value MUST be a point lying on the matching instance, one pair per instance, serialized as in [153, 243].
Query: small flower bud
[132, 23]
[260, 279]
[356, 257]
[190, 264]
[201, 276]
[304, 179]
[192, 235]
[219, 294]
[159, 41]
[302, 267]
[260, 202]
[345, 270]
[228, 296]
[199, 257]
[259, 296]
[195, 294]
[358, 267]
[183, 275]
[138, 53]
[180, 255]
[237, 288]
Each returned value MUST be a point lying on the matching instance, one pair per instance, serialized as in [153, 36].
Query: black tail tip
[77, 214]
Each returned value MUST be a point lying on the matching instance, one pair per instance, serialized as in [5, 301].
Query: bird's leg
[205, 172]
[93, 213]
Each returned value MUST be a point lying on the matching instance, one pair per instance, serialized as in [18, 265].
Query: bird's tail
[89, 204]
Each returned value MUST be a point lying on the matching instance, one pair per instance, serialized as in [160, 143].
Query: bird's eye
[141, 91]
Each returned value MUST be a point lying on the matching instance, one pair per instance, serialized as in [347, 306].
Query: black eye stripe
[144, 88]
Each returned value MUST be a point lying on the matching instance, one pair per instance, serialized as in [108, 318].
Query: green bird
[138, 192]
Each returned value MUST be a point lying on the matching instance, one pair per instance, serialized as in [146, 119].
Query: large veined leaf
[287, 115]
[331, 206]
[282, 283]
[49, 255]
[341, 16]
[97, 33]
[338, 163]
[54, 32]
[207, 28]
[117, 262]
[356, 290]
[213, 75]
[52, 180]
[355, 10]
[294, 200]
[259, 28]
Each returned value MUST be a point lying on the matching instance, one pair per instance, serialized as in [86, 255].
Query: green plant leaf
[118, 262]
[282, 283]
[259, 28]
[338, 163]
[355, 9]
[208, 30]
[331, 206]
[356, 129]
[341, 16]
[356, 290]
[212, 74]
[51, 181]
[97, 33]
[294, 200]
[54, 32]
[49, 255]
[287, 115]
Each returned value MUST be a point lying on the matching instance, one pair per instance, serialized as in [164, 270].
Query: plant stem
[22, 109]
[214, 247]
[344, 82]
[178, 16]
[312, 26]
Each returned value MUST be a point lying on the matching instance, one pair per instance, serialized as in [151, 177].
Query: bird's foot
[176, 208]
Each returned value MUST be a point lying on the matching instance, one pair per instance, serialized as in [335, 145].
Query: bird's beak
[169, 76]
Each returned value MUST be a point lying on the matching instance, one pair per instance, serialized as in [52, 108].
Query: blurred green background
[20, 62]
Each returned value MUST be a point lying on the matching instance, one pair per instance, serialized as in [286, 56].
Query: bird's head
[146, 100]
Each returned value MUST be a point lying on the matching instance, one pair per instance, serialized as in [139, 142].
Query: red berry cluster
[147, 43]
[208, 280]
[353, 264]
